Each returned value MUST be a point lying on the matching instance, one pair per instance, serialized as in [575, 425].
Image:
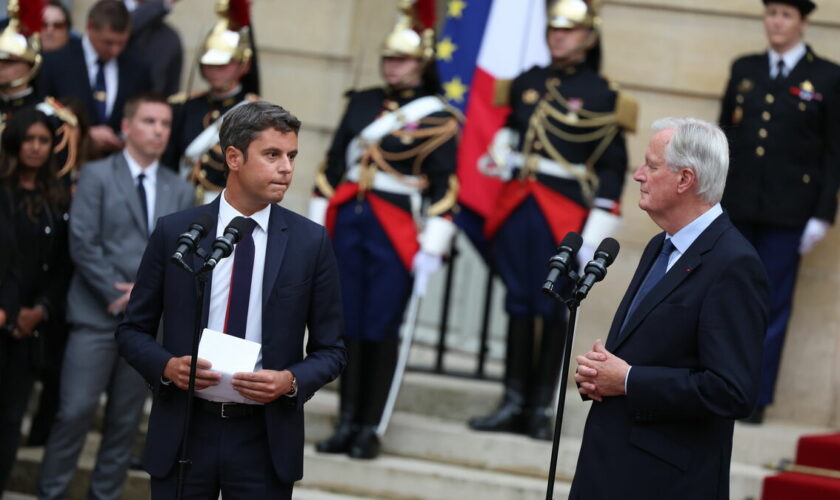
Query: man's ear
[234, 158]
[688, 180]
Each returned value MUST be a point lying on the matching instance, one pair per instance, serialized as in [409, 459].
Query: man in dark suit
[97, 69]
[683, 355]
[117, 201]
[781, 113]
[252, 450]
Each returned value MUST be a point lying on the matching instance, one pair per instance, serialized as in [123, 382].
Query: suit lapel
[124, 182]
[688, 263]
[275, 250]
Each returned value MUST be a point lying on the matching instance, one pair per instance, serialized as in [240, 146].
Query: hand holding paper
[228, 355]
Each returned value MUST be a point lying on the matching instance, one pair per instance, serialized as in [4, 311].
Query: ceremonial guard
[386, 193]
[20, 58]
[194, 143]
[563, 157]
[781, 113]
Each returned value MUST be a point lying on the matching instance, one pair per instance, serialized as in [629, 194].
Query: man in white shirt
[781, 114]
[116, 205]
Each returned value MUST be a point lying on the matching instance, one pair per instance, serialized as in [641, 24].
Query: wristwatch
[293, 392]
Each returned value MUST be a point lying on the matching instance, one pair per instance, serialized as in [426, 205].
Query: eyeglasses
[58, 26]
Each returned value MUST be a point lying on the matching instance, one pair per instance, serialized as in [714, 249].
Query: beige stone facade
[672, 55]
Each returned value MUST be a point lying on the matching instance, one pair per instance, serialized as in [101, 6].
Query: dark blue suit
[694, 344]
[300, 290]
[64, 74]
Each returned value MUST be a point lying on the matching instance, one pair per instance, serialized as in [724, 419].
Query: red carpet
[813, 451]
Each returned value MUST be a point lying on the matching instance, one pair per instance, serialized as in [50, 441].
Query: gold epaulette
[626, 112]
[182, 97]
[501, 93]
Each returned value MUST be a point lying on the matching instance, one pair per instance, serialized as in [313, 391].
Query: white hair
[702, 147]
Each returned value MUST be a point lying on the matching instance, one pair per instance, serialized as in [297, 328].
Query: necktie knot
[780, 69]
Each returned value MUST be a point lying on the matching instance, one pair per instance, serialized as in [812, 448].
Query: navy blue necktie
[100, 93]
[141, 193]
[660, 267]
[236, 320]
[780, 70]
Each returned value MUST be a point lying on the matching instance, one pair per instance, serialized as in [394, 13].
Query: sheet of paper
[228, 355]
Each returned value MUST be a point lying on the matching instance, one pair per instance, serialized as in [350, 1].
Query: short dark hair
[63, 8]
[111, 14]
[242, 124]
[133, 103]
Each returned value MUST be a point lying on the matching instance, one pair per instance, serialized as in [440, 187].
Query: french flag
[482, 42]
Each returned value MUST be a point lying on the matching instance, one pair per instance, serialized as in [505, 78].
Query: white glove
[425, 264]
[815, 230]
[584, 255]
[318, 209]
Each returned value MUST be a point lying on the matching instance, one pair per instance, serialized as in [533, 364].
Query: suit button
[802, 106]
[806, 179]
[739, 99]
[759, 151]
[769, 98]
[765, 116]
[762, 133]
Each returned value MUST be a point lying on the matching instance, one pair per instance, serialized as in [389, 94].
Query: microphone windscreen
[572, 240]
[205, 221]
[243, 226]
[609, 247]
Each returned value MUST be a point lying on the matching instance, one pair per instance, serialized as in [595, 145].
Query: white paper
[228, 355]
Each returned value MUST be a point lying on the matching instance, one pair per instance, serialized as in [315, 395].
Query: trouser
[92, 366]
[778, 249]
[17, 375]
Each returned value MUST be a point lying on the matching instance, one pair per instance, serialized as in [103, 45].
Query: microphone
[559, 264]
[188, 242]
[223, 246]
[596, 269]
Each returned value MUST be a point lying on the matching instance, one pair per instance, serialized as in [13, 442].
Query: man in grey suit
[117, 202]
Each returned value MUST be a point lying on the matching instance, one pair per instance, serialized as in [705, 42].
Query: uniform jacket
[300, 291]
[694, 344]
[108, 235]
[783, 135]
[64, 74]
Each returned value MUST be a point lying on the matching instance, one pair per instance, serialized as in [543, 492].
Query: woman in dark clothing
[35, 203]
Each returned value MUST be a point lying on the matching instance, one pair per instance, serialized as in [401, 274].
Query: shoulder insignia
[501, 93]
[626, 112]
[179, 98]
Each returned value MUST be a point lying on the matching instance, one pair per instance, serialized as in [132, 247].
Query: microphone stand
[201, 278]
[572, 303]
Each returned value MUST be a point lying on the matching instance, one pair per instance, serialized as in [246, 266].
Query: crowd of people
[92, 154]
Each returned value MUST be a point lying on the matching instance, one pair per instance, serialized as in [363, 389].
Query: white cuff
[437, 236]
[626, 378]
[599, 225]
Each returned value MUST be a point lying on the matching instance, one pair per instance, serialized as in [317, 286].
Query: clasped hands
[263, 386]
[600, 373]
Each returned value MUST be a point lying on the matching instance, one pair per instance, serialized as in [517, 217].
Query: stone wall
[672, 55]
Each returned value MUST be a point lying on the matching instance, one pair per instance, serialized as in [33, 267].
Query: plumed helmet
[20, 40]
[230, 38]
[406, 39]
[574, 14]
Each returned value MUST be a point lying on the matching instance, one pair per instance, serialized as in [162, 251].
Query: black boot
[509, 415]
[541, 402]
[380, 361]
[347, 426]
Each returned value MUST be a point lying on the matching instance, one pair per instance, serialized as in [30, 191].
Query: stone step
[391, 476]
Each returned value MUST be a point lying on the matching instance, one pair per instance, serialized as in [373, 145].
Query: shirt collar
[136, 169]
[686, 236]
[791, 57]
[227, 213]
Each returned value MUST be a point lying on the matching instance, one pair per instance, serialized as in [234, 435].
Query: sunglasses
[58, 26]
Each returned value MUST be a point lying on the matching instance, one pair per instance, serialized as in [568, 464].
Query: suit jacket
[300, 291]
[108, 234]
[695, 345]
[64, 74]
[785, 165]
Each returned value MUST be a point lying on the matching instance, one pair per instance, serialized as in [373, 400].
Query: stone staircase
[430, 454]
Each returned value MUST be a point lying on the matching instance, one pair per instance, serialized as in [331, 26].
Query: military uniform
[784, 170]
[190, 117]
[8, 105]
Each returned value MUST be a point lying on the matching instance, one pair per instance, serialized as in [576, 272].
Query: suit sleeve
[727, 105]
[335, 165]
[86, 235]
[827, 202]
[731, 326]
[136, 334]
[325, 351]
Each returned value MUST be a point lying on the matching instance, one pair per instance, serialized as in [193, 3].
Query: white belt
[390, 184]
[546, 166]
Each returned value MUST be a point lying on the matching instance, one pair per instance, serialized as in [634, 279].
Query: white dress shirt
[791, 59]
[682, 240]
[112, 74]
[149, 184]
[220, 287]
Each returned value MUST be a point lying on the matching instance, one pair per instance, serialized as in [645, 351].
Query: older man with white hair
[683, 355]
